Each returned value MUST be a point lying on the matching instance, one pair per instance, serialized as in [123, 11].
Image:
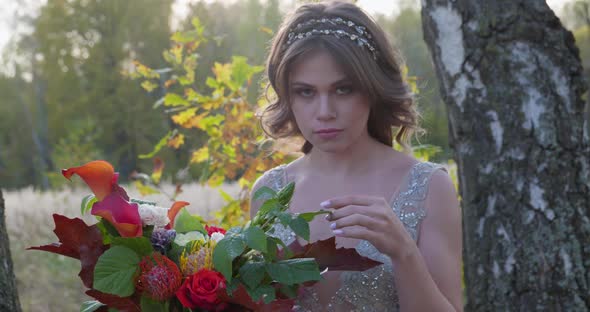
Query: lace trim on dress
[374, 289]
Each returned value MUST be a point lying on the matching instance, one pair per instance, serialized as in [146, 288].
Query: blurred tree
[8, 292]
[511, 77]
[406, 31]
[80, 49]
[576, 15]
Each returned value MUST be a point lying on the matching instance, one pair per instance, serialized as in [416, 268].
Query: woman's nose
[325, 109]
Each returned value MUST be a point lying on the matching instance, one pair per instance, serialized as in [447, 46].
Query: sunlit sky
[9, 11]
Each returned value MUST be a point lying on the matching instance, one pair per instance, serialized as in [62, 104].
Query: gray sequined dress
[373, 289]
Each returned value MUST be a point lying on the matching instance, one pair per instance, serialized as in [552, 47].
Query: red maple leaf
[241, 301]
[127, 304]
[79, 241]
[334, 259]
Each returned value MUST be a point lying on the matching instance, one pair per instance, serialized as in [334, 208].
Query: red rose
[200, 291]
[214, 229]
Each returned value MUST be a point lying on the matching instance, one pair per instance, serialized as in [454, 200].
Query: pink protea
[159, 278]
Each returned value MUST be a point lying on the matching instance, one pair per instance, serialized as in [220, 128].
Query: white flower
[153, 215]
[216, 237]
[183, 239]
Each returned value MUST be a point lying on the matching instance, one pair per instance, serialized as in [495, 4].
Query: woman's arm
[428, 275]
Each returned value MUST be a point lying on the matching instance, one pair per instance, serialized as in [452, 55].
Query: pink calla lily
[123, 215]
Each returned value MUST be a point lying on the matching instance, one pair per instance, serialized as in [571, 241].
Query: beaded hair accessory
[338, 27]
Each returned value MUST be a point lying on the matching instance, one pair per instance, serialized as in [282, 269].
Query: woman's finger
[343, 201]
[356, 219]
[355, 231]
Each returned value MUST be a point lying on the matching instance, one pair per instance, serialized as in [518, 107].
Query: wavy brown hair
[393, 110]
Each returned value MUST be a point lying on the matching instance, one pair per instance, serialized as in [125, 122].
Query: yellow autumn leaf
[145, 189]
[216, 180]
[200, 155]
[183, 117]
[176, 141]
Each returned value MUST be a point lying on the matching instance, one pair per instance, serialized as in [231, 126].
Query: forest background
[66, 98]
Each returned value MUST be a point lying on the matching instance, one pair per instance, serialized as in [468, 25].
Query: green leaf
[158, 146]
[285, 194]
[308, 216]
[150, 305]
[252, 273]
[255, 238]
[141, 245]
[212, 121]
[89, 306]
[294, 271]
[271, 249]
[262, 191]
[287, 253]
[107, 230]
[173, 99]
[212, 83]
[186, 36]
[265, 291]
[284, 217]
[87, 203]
[289, 290]
[149, 86]
[300, 227]
[226, 196]
[268, 206]
[185, 222]
[115, 271]
[226, 251]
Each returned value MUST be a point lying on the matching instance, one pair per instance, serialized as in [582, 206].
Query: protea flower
[160, 278]
[199, 256]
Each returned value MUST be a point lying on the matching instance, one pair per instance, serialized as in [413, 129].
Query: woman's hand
[370, 218]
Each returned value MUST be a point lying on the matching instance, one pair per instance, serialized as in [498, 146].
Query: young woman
[339, 86]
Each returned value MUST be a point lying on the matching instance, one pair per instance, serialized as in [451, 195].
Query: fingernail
[337, 232]
[327, 217]
[333, 226]
[325, 203]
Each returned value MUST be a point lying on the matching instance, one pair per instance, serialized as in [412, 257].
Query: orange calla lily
[173, 211]
[113, 203]
[99, 175]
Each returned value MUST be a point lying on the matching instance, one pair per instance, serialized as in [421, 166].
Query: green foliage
[87, 203]
[185, 222]
[90, 306]
[230, 247]
[294, 271]
[150, 305]
[115, 271]
[140, 245]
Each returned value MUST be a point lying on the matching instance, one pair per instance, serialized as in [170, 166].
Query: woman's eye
[343, 90]
[305, 92]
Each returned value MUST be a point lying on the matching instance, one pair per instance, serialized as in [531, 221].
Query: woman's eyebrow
[337, 82]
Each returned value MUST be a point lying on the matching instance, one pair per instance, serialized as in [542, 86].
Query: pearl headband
[332, 27]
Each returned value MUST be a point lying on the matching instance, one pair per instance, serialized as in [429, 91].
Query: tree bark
[511, 77]
[8, 292]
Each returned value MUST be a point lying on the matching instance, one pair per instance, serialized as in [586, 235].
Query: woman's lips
[328, 133]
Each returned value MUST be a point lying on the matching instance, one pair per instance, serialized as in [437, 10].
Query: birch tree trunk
[511, 77]
[8, 292]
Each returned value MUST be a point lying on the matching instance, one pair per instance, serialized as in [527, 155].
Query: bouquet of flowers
[142, 257]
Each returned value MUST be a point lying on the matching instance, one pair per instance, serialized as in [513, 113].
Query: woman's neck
[358, 159]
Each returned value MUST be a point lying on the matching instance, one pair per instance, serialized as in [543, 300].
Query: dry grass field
[49, 282]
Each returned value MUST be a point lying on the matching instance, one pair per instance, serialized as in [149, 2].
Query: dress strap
[409, 203]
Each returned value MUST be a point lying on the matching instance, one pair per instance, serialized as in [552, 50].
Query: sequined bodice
[373, 289]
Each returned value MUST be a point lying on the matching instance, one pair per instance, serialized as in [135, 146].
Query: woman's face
[329, 110]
